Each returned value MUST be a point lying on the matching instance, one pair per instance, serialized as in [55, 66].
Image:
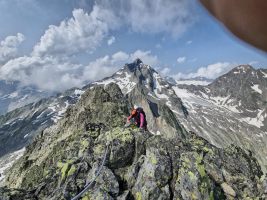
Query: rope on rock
[97, 174]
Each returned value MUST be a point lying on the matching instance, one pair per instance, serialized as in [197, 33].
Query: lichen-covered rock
[192, 181]
[228, 190]
[106, 181]
[154, 175]
[138, 165]
[125, 196]
[97, 194]
[121, 143]
[13, 194]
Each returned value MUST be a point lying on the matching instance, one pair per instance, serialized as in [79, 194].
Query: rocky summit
[136, 165]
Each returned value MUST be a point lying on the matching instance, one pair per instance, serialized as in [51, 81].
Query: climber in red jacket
[139, 117]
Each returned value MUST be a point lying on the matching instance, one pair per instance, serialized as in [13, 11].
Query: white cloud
[46, 73]
[49, 66]
[253, 63]
[211, 71]
[54, 74]
[107, 65]
[100, 68]
[181, 59]
[165, 71]
[120, 56]
[50, 74]
[158, 16]
[9, 47]
[111, 40]
[189, 42]
[82, 32]
[146, 57]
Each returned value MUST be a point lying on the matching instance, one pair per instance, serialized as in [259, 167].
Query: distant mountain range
[13, 95]
[229, 110]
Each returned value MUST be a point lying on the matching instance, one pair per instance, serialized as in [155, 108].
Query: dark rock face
[138, 165]
[243, 88]
[240, 85]
[230, 110]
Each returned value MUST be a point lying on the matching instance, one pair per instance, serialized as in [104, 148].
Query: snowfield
[256, 88]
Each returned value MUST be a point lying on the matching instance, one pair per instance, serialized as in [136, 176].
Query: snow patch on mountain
[58, 111]
[243, 68]
[220, 104]
[256, 121]
[192, 82]
[13, 95]
[157, 87]
[123, 81]
[191, 99]
[78, 92]
[225, 102]
[256, 88]
[265, 74]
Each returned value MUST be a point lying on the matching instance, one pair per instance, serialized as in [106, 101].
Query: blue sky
[58, 44]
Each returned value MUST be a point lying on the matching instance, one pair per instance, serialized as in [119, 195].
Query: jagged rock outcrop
[138, 165]
[143, 86]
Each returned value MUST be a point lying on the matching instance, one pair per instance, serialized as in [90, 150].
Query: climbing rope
[97, 174]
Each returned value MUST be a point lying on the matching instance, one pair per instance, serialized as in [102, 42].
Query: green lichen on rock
[138, 196]
[33, 176]
[201, 170]
[64, 170]
[153, 160]
[85, 143]
[211, 197]
[45, 173]
[85, 198]
[99, 149]
[72, 170]
[60, 164]
[138, 165]
[207, 150]
[124, 135]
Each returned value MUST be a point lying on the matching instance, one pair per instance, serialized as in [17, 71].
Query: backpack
[139, 111]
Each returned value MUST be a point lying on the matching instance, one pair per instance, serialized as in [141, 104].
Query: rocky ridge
[211, 113]
[64, 158]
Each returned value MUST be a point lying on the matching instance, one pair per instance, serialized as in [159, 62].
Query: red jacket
[142, 119]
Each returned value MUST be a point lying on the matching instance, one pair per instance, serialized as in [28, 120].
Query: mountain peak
[138, 61]
[243, 69]
[137, 65]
